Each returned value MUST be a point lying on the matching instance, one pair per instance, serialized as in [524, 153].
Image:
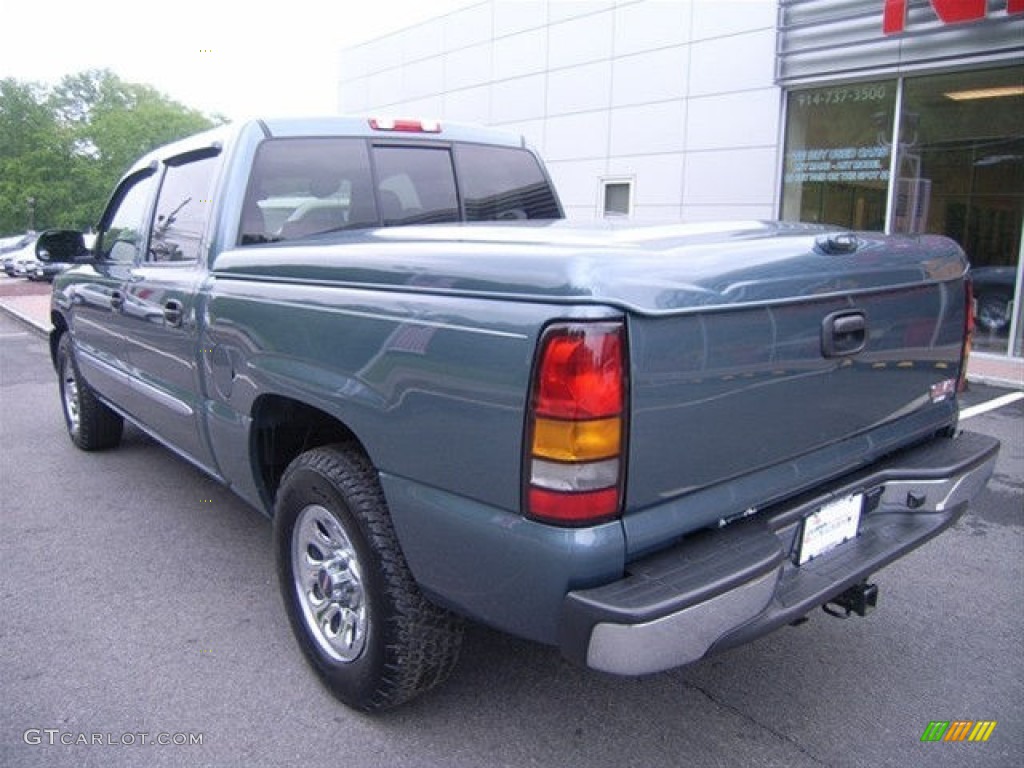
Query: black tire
[389, 643]
[91, 425]
[993, 312]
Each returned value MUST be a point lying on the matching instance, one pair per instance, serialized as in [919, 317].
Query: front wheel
[91, 425]
[354, 607]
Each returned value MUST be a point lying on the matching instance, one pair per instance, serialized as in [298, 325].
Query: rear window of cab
[301, 187]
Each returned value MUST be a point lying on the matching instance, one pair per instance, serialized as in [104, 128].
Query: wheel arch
[60, 327]
[282, 429]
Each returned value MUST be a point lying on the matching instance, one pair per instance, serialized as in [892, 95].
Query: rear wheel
[359, 617]
[92, 426]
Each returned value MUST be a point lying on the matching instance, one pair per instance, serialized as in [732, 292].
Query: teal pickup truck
[640, 444]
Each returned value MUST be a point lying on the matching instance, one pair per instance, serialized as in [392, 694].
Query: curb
[26, 320]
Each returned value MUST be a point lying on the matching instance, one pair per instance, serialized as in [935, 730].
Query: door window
[182, 210]
[120, 241]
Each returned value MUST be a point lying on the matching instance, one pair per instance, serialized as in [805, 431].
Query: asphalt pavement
[138, 605]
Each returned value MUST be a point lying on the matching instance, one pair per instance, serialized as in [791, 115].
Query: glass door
[960, 173]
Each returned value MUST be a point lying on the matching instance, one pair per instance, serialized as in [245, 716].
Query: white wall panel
[519, 99]
[577, 181]
[468, 26]
[579, 212]
[383, 53]
[582, 136]
[648, 129]
[352, 97]
[743, 119]
[472, 105]
[730, 177]
[658, 178]
[532, 130]
[522, 54]
[424, 78]
[560, 10]
[647, 25]
[467, 67]
[653, 213]
[519, 16]
[579, 89]
[653, 76]
[582, 40]
[697, 213]
[430, 107]
[384, 87]
[423, 41]
[736, 63]
[720, 18]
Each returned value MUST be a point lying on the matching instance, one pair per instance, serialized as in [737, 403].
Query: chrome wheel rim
[69, 391]
[328, 583]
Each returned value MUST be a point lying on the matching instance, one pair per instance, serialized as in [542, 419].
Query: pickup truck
[640, 444]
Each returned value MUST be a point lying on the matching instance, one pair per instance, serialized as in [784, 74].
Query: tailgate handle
[844, 333]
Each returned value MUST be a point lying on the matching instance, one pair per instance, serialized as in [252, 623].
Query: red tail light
[575, 441]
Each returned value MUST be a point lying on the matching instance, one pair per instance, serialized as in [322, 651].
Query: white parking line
[17, 335]
[991, 405]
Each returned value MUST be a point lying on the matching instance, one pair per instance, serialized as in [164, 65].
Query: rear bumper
[720, 588]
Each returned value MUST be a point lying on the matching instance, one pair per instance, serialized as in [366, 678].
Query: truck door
[162, 327]
[97, 298]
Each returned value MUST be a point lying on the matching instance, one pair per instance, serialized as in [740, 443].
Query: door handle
[844, 333]
[174, 312]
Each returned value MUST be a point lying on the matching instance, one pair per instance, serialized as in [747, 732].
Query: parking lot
[138, 605]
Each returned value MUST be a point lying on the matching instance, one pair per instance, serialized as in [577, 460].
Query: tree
[66, 146]
[30, 145]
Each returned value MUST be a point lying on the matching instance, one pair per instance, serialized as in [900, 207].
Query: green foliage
[66, 146]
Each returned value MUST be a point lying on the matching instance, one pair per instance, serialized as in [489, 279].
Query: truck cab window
[121, 239]
[416, 185]
[307, 186]
[182, 210]
[504, 184]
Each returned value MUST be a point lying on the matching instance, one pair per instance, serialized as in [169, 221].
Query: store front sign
[894, 14]
[838, 164]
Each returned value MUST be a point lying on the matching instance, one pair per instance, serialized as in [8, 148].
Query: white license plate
[833, 524]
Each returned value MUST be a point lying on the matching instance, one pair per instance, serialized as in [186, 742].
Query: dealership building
[898, 115]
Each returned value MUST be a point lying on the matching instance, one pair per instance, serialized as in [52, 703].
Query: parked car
[21, 261]
[11, 247]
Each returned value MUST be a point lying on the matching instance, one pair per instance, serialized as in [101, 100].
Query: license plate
[833, 524]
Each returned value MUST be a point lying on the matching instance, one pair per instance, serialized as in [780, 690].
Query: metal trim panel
[831, 39]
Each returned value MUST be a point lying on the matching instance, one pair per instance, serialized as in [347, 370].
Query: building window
[617, 197]
[961, 174]
[837, 154]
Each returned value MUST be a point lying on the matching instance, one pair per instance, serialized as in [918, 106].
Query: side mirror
[61, 245]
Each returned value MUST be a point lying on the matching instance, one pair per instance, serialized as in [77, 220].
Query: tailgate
[764, 394]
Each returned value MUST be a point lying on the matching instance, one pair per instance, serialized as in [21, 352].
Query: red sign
[894, 13]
